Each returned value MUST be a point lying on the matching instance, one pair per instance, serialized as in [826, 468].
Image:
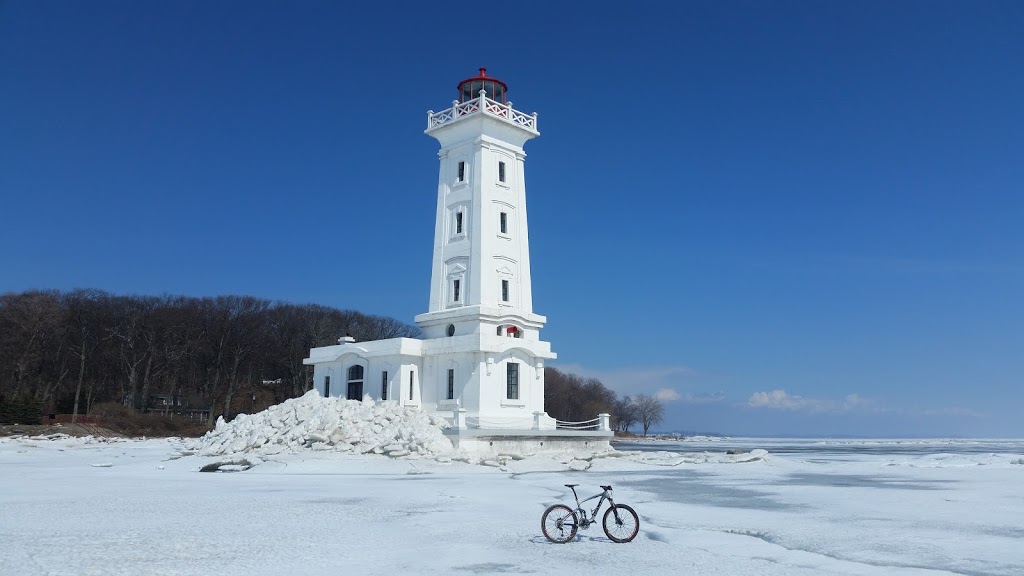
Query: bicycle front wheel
[621, 523]
[559, 523]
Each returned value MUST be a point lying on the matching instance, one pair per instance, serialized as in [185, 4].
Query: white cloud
[666, 395]
[858, 402]
[781, 400]
[688, 398]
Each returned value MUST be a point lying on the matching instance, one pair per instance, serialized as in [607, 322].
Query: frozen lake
[907, 507]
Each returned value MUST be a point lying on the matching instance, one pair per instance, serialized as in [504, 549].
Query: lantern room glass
[470, 89]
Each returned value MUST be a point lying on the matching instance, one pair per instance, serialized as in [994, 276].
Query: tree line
[573, 398]
[68, 351]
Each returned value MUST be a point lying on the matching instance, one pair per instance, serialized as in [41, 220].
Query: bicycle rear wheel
[559, 523]
[621, 523]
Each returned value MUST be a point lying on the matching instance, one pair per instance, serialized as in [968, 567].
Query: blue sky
[783, 217]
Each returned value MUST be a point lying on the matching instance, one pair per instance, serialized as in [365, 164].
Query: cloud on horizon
[667, 395]
[781, 400]
[632, 380]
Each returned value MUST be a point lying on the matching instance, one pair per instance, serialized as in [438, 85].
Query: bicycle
[561, 522]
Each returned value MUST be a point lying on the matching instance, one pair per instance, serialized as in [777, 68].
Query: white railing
[539, 421]
[482, 105]
[584, 425]
[500, 423]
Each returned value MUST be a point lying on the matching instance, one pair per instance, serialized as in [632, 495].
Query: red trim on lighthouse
[483, 76]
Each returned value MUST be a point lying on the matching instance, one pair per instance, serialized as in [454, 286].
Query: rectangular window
[512, 381]
[458, 222]
[327, 386]
[384, 385]
[412, 381]
[504, 290]
[503, 222]
[455, 290]
[462, 171]
[501, 171]
[451, 383]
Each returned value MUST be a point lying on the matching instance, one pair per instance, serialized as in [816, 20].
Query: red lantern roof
[470, 87]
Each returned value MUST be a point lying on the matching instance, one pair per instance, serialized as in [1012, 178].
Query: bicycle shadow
[578, 538]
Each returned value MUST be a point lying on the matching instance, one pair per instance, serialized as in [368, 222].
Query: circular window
[451, 329]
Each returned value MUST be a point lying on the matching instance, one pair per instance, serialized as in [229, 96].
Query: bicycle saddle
[571, 485]
[606, 487]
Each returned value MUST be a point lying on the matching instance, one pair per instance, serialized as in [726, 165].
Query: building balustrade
[482, 105]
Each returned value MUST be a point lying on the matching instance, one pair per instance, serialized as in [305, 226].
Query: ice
[314, 422]
[318, 512]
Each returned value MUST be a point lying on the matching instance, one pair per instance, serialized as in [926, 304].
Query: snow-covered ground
[83, 506]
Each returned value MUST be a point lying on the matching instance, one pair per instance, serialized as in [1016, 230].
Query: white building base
[481, 441]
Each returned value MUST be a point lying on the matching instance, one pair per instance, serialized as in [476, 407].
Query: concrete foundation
[478, 441]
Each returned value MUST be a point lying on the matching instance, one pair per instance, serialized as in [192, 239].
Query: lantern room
[470, 88]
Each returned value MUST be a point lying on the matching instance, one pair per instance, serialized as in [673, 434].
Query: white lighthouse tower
[481, 361]
[481, 294]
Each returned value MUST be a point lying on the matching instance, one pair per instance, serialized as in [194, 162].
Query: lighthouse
[481, 360]
[481, 293]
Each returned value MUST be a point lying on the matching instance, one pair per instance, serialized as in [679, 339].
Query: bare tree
[563, 395]
[28, 325]
[625, 414]
[83, 315]
[649, 410]
[247, 317]
[130, 330]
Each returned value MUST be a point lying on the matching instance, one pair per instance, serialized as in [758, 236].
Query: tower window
[455, 290]
[412, 381]
[384, 385]
[451, 383]
[503, 223]
[327, 386]
[462, 171]
[501, 171]
[504, 290]
[512, 381]
[458, 222]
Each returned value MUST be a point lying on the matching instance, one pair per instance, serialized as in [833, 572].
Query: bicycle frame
[605, 495]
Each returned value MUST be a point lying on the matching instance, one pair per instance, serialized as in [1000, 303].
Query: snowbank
[946, 460]
[317, 423]
[664, 458]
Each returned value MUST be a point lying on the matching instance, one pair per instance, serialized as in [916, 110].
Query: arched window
[355, 383]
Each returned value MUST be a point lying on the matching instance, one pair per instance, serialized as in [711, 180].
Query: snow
[336, 424]
[110, 507]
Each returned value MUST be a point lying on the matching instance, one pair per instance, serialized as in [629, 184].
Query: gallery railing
[482, 105]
